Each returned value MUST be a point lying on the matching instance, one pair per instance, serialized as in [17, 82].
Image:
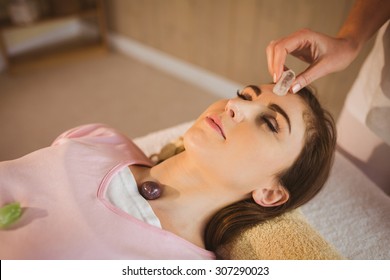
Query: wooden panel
[229, 37]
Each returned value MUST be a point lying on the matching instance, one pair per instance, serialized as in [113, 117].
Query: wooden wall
[229, 37]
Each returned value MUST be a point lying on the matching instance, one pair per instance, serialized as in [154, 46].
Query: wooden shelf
[70, 50]
[90, 13]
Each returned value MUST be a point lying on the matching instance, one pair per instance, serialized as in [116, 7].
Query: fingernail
[296, 88]
[274, 77]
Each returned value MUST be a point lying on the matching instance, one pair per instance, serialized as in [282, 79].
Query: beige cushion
[288, 237]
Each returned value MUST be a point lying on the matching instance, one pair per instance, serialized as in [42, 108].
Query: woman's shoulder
[104, 138]
[93, 131]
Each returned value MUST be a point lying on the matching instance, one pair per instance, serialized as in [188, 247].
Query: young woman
[246, 159]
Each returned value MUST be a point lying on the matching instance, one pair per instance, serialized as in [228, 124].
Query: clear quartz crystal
[283, 85]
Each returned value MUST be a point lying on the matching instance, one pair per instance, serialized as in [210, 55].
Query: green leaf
[9, 214]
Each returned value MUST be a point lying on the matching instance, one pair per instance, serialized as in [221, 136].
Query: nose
[240, 110]
[233, 111]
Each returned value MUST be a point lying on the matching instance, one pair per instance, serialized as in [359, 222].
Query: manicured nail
[274, 77]
[296, 88]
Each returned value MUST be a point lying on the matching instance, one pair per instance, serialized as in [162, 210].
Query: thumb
[301, 81]
[308, 76]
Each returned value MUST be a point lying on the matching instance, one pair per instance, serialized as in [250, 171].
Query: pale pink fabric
[65, 214]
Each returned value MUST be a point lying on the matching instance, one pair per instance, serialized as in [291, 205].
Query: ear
[271, 196]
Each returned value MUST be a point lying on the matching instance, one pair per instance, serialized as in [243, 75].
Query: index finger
[277, 51]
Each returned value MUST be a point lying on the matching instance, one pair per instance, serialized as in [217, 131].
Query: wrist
[351, 44]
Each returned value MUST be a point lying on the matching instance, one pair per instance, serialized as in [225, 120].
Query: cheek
[217, 107]
[255, 156]
[199, 138]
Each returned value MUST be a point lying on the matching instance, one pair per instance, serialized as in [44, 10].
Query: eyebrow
[256, 89]
[278, 109]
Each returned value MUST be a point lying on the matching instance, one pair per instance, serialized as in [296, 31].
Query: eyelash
[264, 118]
[268, 121]
[244, 96]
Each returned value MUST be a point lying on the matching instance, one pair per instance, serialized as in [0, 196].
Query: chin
[198, 144]
[194, 138]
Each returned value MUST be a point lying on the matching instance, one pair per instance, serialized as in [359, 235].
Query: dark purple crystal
[150, 190]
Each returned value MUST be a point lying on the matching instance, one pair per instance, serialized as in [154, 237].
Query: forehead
[292, 104]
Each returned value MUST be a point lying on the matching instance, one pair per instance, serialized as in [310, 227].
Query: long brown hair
[303, 179]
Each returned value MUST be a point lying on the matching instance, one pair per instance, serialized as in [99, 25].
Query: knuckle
[305, 31]
[271, 45]
[306, 80]
[279, 48]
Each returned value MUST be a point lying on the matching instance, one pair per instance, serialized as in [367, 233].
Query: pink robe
[62, 188]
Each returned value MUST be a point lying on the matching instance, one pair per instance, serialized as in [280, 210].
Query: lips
[216, 124]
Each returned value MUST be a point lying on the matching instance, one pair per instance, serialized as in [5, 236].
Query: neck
[190, 197]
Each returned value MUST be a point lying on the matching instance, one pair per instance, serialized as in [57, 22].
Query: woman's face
[245, 141]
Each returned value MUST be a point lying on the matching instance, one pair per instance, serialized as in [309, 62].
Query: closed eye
[271, 123]
[244, 96]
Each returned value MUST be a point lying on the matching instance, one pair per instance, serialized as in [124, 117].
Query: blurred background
[143, 65]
